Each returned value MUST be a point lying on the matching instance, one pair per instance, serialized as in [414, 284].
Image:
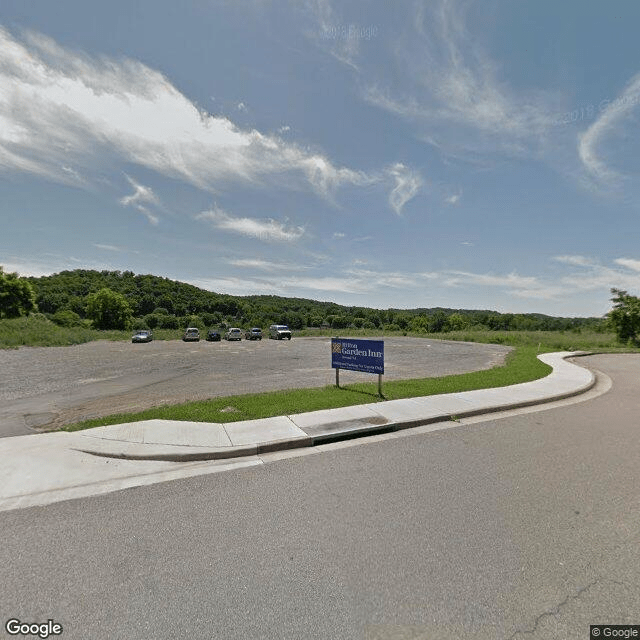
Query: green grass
[38, 331]
[521, 366]
[546, 341]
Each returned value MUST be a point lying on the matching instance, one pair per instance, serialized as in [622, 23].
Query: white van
[279, 332]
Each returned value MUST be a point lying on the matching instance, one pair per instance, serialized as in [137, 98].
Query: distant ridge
[151, 295]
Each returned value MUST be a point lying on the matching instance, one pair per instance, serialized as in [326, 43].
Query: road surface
[519, 527]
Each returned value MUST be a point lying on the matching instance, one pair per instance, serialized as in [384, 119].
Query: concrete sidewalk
[44, 468]
[188, 441]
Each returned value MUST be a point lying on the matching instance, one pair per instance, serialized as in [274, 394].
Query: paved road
[50, 387]
[520, 527]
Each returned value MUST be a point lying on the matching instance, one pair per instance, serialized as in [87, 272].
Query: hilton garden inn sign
[358, 355]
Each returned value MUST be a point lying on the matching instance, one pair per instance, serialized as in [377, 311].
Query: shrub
[139, 323]
[67, 318]
[168, 322]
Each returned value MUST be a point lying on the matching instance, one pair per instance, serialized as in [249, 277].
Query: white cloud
[449, 88]
[609, 122]
[237, 286]
[264, 265]
[241, 107]
[634, 265]
[46, 264]
[453, 199]
[59, 107]
[141, 194]
[579, 261]
[106, 247]
[140, 197]
[338, 235]
[407, 185]
[591, 275]
[266, 229]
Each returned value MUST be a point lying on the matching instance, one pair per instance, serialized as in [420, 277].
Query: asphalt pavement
[56, 466]
[525, 526]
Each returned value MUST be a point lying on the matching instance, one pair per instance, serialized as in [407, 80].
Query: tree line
[122, 299]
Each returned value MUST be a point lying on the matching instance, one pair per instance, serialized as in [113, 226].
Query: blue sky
[480, 155]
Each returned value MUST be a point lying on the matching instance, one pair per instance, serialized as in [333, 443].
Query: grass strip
[521, 365]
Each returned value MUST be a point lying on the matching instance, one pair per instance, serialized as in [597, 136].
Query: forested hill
[161, 302]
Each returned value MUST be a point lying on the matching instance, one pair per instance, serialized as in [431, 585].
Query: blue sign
[357, 355]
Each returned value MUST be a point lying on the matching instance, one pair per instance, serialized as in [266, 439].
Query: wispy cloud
[107, 247]
[407, 184]
[266, 229]
[576, 260]
[263, 265]
[587, 275]
[609, 122]
[590, 274]
[140, 198]
[237, 286]
[59, 107]
[449, 88]
[331, 33]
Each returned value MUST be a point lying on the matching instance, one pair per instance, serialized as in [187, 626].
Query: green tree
[625, 317]
[437, 321]
[455, 322]
[109, 310]
[17, 297]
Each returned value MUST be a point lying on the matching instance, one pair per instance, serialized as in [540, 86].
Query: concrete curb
[575, 383]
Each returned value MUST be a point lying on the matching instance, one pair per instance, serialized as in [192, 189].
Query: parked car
[191, 334]
[142, 336]
[253, 334]
[279, 332]
[213, 336]
[233, 334]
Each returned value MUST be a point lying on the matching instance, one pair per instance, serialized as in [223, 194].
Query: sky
[445, 153]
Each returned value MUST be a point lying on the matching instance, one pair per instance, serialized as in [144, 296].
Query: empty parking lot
[49, 387]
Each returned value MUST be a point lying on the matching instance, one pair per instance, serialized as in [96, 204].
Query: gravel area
[49, 387]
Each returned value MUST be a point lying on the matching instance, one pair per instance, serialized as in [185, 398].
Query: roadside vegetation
[74, 307]
[521, 365]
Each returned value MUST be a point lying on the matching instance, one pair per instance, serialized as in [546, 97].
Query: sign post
[358, 355]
